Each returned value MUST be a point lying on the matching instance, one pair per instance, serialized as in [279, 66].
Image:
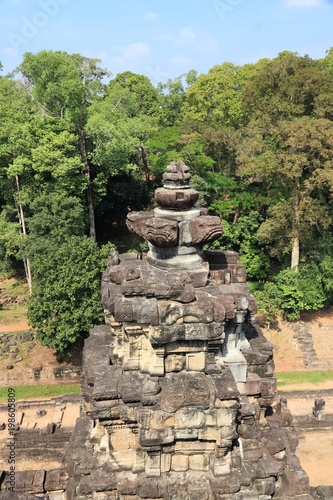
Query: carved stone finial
[176, 174]
[176, 230]
[176, 193]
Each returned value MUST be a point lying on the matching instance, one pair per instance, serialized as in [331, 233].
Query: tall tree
[172, 98]
[65, 302]
[64, 86]
[119, 126]
[136, 94]
[284, 88]
[215, 98]
[16, 117]
[324, 100]
[288, 149]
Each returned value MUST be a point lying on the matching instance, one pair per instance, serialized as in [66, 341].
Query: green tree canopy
[65, 303]
[288, 150]
[64, 86]
[216, 98]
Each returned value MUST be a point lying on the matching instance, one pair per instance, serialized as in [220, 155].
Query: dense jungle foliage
[80, 148]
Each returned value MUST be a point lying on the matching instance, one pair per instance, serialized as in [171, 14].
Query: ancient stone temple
[180, 397]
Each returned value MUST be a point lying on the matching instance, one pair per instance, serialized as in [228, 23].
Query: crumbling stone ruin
[180, 397]
[42, 432]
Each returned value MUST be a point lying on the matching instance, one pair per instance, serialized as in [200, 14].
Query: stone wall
[43, 431]
[37, 482]
[155, 437]
[42, 375]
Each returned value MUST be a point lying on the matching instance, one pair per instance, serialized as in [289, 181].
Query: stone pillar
[318, 409]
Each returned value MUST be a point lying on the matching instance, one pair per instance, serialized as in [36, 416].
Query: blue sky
[165, 38]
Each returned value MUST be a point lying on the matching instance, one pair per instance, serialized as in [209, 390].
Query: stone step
[304, 337]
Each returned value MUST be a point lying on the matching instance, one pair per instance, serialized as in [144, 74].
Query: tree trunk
[295, 235]
[236, 215]
[91, 212]
[295, 253]
[26, 262]
[86, 171]
[143, 155]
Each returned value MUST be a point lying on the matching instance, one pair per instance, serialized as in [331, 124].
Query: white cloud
[208, 45]
[186, 40]
[130, 57]
[166, 37]
[304, 3]
[151, 16]
[9, 51]
[135, 50]
[187, 35]
[180, 60]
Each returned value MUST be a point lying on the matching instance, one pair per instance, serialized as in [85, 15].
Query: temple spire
[178, 228]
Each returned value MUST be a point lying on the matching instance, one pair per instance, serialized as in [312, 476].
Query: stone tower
[179, 387]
